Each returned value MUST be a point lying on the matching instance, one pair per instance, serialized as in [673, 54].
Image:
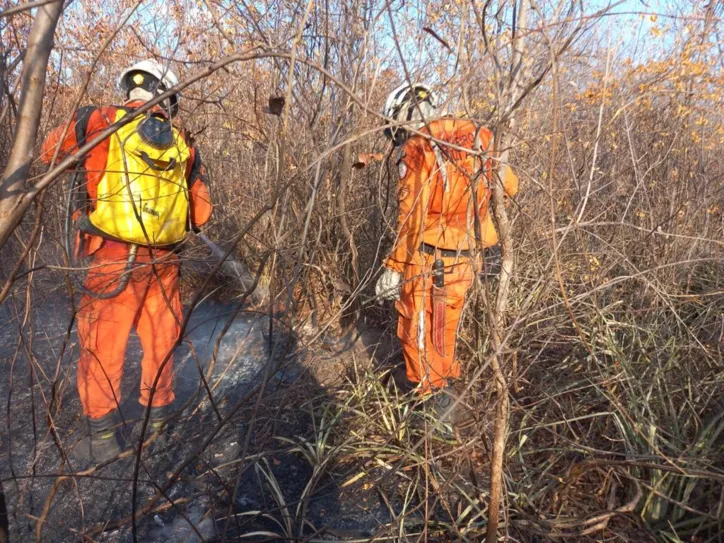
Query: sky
[630, 27]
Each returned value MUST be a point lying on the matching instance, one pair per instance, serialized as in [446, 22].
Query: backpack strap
[195, 174]
[154, 165]
[82, 118]
[77, 209]
[78, 194]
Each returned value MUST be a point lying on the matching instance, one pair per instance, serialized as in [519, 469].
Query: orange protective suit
[436, 213]
[150, 301]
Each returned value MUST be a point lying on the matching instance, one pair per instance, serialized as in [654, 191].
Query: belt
[447, 253]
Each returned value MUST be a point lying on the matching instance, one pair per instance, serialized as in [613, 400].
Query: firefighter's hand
[388, 285]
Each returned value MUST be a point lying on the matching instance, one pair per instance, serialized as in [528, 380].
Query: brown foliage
[612, 329]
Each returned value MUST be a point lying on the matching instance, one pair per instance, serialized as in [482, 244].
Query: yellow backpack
[143, 196]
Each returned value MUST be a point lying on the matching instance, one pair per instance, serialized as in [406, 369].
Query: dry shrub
[615, 330]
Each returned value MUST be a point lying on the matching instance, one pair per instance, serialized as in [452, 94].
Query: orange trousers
[428, 333]
[150, 303]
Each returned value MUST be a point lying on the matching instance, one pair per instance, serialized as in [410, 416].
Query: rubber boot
[103, 441]
[158, 426]
[159, 418]
[400, 380]
[442, 411]
[442, 402]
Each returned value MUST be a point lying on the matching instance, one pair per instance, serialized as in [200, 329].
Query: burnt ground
[38, 377]
[248, 479]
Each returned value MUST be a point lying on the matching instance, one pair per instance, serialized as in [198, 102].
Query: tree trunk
[502, 408]
[345, 176]
[503, 226]
[12, 187]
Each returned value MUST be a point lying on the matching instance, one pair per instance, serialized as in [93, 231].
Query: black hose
[75, 182]
[125, 277]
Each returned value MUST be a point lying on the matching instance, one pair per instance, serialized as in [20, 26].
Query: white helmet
[162, 79]
[406, 103]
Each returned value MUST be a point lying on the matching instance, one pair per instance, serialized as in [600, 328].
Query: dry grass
[614, 334]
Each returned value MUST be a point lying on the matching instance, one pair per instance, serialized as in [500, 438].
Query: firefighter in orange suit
[144, 188]
[429, 270]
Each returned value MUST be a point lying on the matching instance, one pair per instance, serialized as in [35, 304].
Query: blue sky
[628, 27]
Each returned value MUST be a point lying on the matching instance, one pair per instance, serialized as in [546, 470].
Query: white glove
[388, 285]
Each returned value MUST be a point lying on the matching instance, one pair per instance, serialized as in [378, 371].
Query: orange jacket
[439, 211]
[95, 162]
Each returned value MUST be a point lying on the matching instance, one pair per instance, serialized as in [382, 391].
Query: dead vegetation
[606, 342]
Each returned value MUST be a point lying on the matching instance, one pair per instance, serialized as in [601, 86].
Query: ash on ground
[218, 470]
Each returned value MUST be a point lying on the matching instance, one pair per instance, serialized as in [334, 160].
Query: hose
[75, 183]
[125, 277]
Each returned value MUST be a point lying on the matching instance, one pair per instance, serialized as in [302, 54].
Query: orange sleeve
[200, 204]
[413, 195]
[510, 180]
[199, 195]
[53, 142]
